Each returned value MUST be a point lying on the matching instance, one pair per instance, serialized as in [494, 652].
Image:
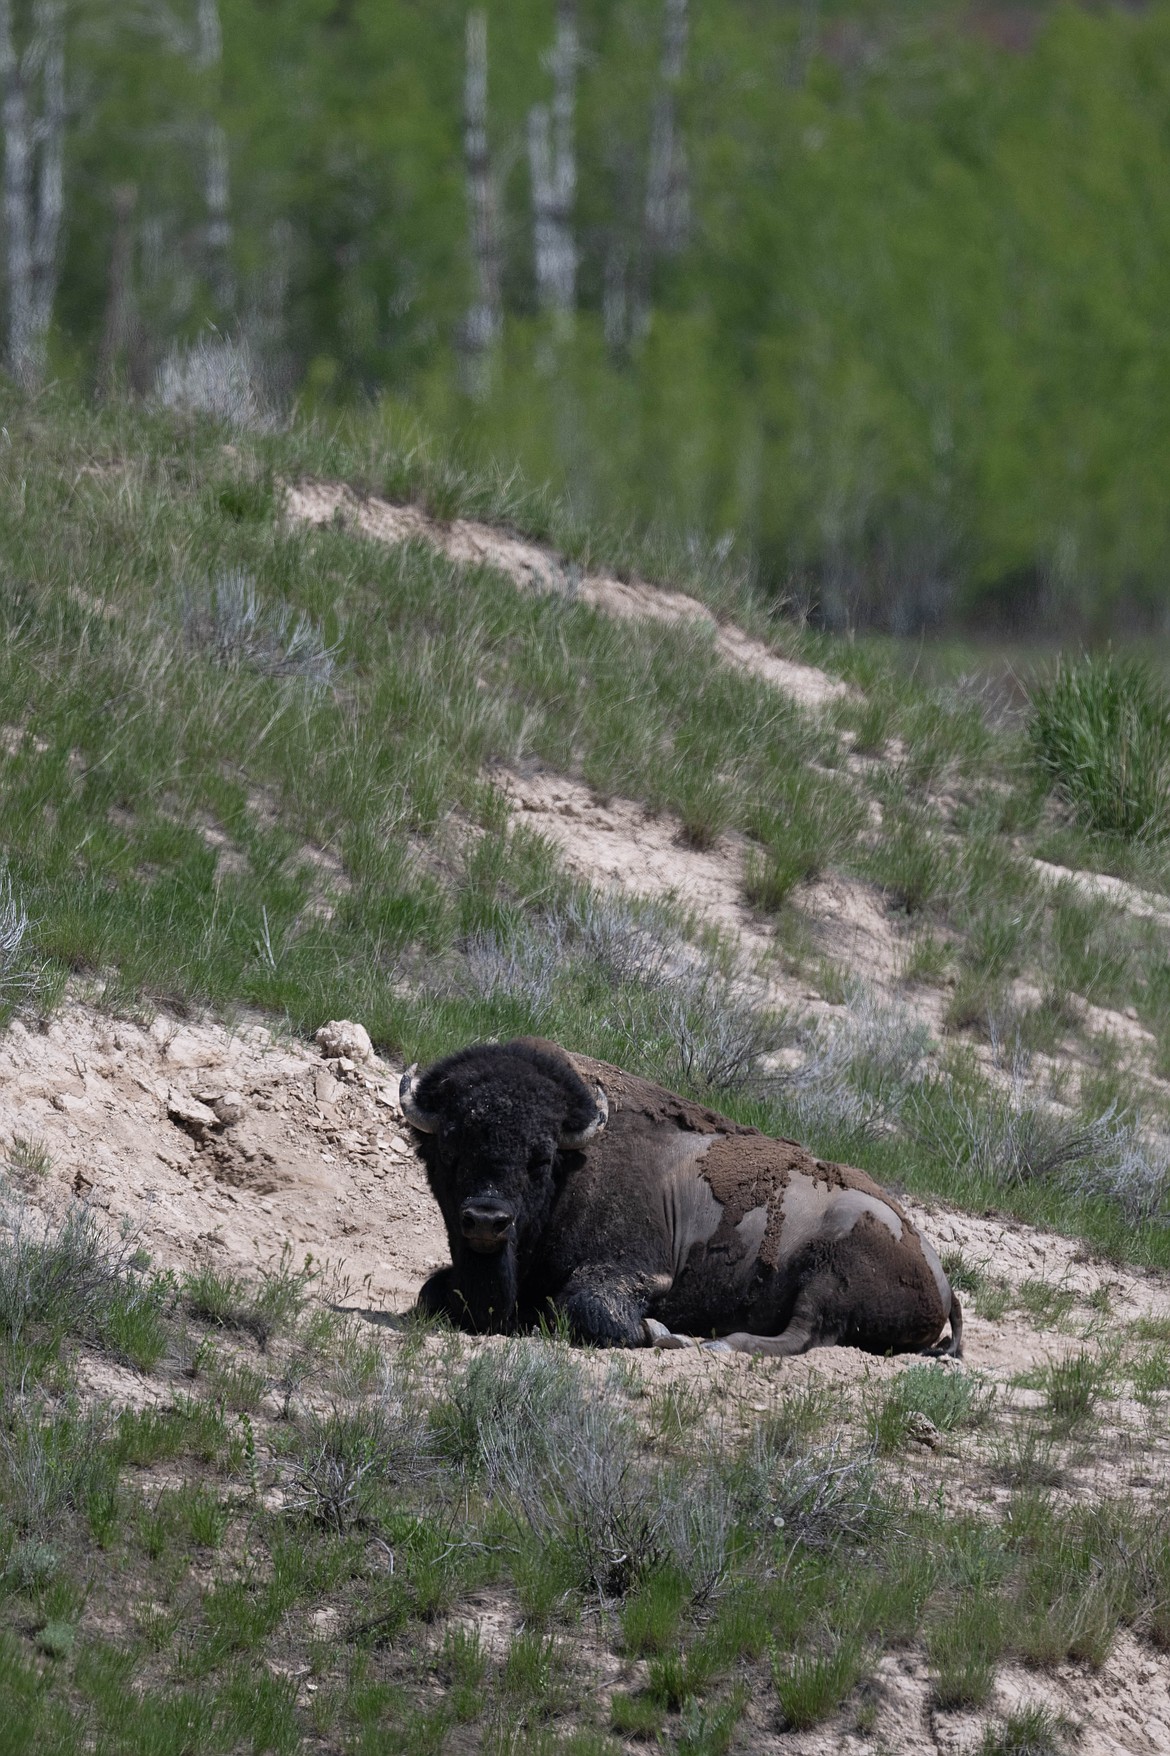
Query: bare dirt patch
[1145, 904]
[533, 567]
[619, 844]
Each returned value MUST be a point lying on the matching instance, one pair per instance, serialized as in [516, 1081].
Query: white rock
[341, 1036]
[187, 1051]
[66, 1102]
[187, 1112]
[325, 1088]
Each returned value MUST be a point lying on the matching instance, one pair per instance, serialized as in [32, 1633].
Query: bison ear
[426, 1121]
[573, 1139]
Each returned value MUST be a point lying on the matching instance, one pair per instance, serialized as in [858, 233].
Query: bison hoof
[717, 1347]
[658, 1335]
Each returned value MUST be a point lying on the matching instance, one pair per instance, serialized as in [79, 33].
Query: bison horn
[426, 1121]
[573, 1142]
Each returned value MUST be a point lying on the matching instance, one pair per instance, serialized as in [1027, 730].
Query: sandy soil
[535, 568]
[1146, 904]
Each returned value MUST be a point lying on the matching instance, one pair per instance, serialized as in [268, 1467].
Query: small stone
[200, 1120]
[229, 1108]
[397, 1144]
[922, 1428]
[341, 1067]
[341, 1036]
[67, 1103]
[388, 1095]
[326, 1090]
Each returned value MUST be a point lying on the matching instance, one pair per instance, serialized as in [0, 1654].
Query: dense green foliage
[914, 354]
[1101, 728]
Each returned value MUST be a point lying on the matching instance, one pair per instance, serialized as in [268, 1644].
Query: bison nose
[485, 1224]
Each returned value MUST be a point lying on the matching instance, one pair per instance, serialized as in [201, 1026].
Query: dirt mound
[222, 1143]
[535, 568]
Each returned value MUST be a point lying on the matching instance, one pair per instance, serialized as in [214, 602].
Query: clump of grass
[215, 376]
[1027, 1460]
[1073, 1388]
[811, 1686]
[349, 1454]
[859, 1068]
[583, 1491]
[1030, 1731]
[29, 1158]
[262, 1309]
[52, 1462]
[817, 1496]
[948, 1399]
[1100, 730]
[811, 820]
[963, 1649]
[1011, 1137]
[73, 1279]
[227, 620]
[18, 976]
[520, 1394]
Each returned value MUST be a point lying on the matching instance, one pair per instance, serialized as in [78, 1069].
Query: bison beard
[483, 1289]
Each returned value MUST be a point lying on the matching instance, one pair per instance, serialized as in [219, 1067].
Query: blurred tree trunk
[552, 160]
[668, 204]
[484, 319]
[216, 182]
[123, 350]
[34, 144]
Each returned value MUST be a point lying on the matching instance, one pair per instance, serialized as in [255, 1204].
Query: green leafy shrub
[1101, 731]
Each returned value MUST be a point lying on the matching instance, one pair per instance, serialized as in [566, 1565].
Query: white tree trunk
[216, 179]
[34, 144]
[484, 316]
[552, 160]
[667, 182]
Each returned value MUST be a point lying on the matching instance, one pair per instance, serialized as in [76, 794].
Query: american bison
[568, 1186]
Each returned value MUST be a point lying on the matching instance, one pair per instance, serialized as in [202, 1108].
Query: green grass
[949, 1400]
[1100, 728]
[466, 1489]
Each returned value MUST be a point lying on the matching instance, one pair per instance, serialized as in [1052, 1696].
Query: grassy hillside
[253, 766]
[248, 764]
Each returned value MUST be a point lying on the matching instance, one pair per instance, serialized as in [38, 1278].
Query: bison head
[492, 1122]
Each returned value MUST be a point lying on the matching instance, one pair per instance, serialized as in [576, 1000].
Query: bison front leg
[438, 1296]
[608, 1310]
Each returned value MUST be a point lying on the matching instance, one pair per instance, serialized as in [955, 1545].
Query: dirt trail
[535, 568]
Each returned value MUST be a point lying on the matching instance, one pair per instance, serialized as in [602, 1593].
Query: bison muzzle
[567, 1186]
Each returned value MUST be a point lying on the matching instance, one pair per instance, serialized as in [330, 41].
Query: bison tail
[952, 1349]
